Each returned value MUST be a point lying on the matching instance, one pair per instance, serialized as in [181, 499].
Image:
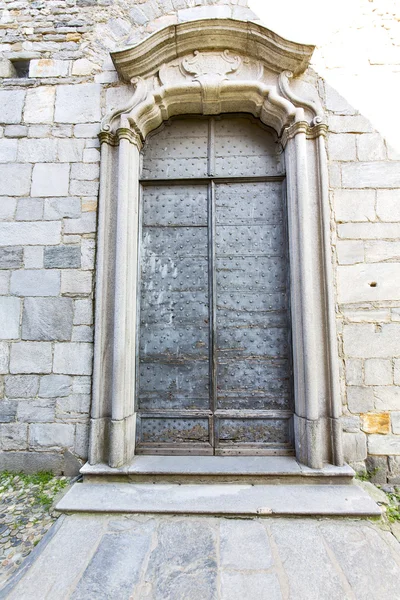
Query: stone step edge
[218, 500]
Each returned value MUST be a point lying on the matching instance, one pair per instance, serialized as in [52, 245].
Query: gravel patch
[26, 514]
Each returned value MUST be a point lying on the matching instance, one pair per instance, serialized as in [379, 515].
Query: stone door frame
[208, 68]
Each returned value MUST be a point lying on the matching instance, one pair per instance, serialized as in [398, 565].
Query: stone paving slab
[138, 557]
[220, 499]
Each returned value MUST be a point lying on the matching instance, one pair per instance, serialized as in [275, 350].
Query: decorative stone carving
[210, 67]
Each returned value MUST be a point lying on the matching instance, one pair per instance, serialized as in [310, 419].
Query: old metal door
[214, 368]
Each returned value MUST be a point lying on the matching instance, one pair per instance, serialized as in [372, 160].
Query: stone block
[33, 150]
[83, 312]
[89, 204]
[71, 408]
[39, 104]
[62, 131]
[355, 205]
[31, 357]
[11, 257]
[342, 146]
[15, 179]
[33, 257]
[354, 446]
[4, 357]
[394, 469]
[84, 188]
[360, 399]
[13, 436]
[371, 146]
[73, 358]
[57, 208]
[395, 418]
[50, 180]
[31, 462]
[237, 585]
[371, 175]
[88, 253]
[76, 282]
[387, 397]
[8, 411]
[51, 435]
[78, 103]
[10, 309]
[7, 208]
[384, 444]
[378, 371]
[91, 155]
[46, 319]
[35, 282]
[349, 124]
[46, 67]
[388, 205]
[82, 333]
[39, 131]
[86, 130]
[15, 131]
[375, 422]
[55, 386]
[377, 468]
[4, 283]
[8, 150]
[29, 209]
[40, 410]
[85, 171]
[354, 371]
[21, 386]
[83, 66]
[7, 69]
[371, 231]
[350, 424]
[336, 103]
[11, 102]
[62, 257]
[82, 384]
[380, 251]
[244, 545]
[368, 282]
[367, 341]
[35, 233]
[397, 371]
[85, 224]
[81, 447]
[70, 151]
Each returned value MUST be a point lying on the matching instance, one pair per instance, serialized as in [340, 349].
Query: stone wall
[49, 167]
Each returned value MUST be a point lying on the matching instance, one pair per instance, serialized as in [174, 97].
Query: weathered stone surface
[56, 208]
[33, 257]
[244, 546]
[4, 357]
[362, 282]
[35, 282]
[38, 151]
[360, 399]
[379, 251]
[15, 179]
[8, 411]
[384, 444]
[237, 586]
[84, 188]
[395, 418]
[31, 357]
[76, 282]
[354, 373]
[11, 257]
[82, 385]
[8, 150]
[85, 224]
[37, 410]
[354, 447]
[371, 146]
[10, 309]
[21, 386]
[354, 205]
[371, 175]
[369, 231]
[388, 205]
[387, 397]
[7, 208]
[394, 469]
[39, 105]
[29, 209]
[51, 435]
[46, 319]
[81, 440]
[11, 102]
[73, 358]
[377, 467]
[4, 283]
[55, 386]
[375, 422]
[13, 436]
[70, 151]
[86, 130]
[45, 67]
[342, 146]
[82, 333]
[378, 371]
[50, 179]
[48, 233]
[62, 257]
[366, 341]
[78, 103]
[88, 247]
[71, 408]
[83, 312]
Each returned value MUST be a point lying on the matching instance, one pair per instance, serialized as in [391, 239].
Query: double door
[214, 368]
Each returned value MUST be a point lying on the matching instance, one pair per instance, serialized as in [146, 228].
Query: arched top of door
[211, 67]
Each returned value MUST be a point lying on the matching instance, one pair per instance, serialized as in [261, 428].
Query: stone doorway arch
[213, 67]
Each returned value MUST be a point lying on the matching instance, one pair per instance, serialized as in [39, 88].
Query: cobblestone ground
[25, 515]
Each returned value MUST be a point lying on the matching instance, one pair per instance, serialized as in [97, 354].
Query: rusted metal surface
[214, 338]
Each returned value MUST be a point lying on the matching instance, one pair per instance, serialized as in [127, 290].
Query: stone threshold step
[226, 499]
[221, 469]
